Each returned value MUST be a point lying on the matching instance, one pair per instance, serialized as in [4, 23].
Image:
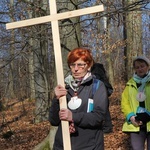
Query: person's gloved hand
[144, 117]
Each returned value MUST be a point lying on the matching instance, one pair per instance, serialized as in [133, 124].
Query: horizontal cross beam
[53, 17]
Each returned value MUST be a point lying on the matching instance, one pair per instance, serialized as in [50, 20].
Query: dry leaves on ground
[19, 132]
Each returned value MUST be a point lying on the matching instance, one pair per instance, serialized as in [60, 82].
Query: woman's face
[79, 69]
[141, 68]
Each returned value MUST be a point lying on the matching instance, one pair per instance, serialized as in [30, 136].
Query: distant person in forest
[135, 104]
[86, 109]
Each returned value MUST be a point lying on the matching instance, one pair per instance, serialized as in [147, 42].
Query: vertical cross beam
[60, 75]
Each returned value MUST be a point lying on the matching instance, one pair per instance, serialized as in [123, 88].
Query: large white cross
[54, 17]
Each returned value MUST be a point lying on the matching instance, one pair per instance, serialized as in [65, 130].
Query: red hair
[80, 53]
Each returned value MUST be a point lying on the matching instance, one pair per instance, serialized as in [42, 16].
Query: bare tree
[134, 36]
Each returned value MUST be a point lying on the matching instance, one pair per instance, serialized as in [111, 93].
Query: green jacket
[129, 104]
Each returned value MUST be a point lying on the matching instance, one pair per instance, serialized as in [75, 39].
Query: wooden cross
[54, 17]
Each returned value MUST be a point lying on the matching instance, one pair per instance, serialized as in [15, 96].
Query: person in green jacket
[135, 104]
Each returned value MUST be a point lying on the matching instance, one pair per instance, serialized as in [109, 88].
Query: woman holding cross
[86, 109]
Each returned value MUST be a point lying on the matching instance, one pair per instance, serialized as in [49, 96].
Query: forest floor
[19, 132]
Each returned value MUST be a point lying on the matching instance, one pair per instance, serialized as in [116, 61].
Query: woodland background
[27, 64]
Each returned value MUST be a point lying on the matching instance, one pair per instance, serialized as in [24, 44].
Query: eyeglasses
[78, 65]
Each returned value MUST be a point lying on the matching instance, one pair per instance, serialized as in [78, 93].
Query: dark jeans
[138, 140]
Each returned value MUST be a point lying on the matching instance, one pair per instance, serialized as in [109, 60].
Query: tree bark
[134, 38]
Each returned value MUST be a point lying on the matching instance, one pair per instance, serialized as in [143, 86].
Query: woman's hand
[65, 114]
[135, 122]
[60, 91]
[72, 128]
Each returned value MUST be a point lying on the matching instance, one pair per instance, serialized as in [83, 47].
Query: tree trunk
[40, 59]
[134, 36]
[11, 78]
[69, 32]
[31, 73]
[31, 63]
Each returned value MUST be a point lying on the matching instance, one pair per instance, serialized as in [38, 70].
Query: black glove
[144, 117]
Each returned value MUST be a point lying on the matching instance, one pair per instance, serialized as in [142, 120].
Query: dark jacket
[89, 134]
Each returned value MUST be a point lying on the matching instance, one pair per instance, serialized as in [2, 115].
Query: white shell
[74, 103]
